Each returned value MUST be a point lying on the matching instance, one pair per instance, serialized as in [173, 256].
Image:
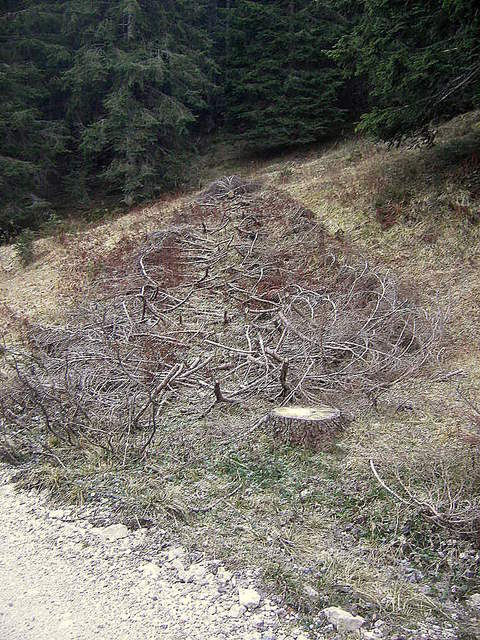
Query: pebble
[175, 552]
[343, 620]
[113, 532]
[223, 575]
[310, 591]
[474, 600]
[178, 566]
[197, 573]
[258, 621]
[151, 570]
[57, 514]
[190, 607]
[249, 598]
[237, 611]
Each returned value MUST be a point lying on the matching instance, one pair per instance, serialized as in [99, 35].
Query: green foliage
[32, 135]
[136, 86]
[419, 60]
[111, 97]
[96, 96]
[24, 246]
[281, 88]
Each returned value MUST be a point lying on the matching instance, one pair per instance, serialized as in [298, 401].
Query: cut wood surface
[311, 414]
[314, 427]
[237, 303]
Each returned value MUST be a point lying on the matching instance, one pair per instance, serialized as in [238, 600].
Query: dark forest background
[114, 96]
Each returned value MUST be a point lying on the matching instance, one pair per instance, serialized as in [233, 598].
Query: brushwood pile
[241, 303]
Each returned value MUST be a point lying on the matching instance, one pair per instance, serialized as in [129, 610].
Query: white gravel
[62, 579]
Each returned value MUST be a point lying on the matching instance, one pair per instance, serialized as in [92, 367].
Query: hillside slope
[384, 521]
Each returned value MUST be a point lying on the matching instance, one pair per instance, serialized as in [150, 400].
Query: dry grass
[430, 197]
[65, 264]
[320, 519]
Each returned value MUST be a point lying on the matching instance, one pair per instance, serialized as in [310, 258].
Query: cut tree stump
[314, 427]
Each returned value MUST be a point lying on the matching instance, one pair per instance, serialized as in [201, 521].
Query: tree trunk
[314, 427]
[130, 32]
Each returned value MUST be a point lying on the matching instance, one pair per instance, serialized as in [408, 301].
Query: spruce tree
[281, 88]
[420, 61]
[136, 87]
[32, 132]
[97, 96]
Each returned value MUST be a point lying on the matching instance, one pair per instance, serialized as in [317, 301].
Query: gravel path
[63, 579]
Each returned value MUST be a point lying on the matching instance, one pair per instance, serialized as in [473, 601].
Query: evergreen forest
[115, 96]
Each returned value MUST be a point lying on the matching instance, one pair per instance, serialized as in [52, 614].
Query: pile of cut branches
[242, 302]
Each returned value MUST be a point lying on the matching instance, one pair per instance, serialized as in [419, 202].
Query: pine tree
[136, 87]
[281, 88]
[419, 60]
[32, 135]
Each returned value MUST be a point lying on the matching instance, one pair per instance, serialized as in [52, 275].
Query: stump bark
[314, 427]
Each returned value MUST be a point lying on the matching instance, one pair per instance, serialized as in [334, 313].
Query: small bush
[24, 246]
[51, 223]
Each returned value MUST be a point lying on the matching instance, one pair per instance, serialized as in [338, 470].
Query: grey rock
[178, 566]
[310, 591]
[151, 570]
[57, 514]
[112, 533]
[197, 573]
[237, 611]
[248, 598]
[342, 620]
[175, 552]
[6, 489]
[474, 600]
[258, 621]
[223, 575]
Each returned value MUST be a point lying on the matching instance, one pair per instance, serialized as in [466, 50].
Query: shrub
[24, 246]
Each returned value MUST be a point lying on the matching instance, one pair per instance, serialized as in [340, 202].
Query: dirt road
[63, 579]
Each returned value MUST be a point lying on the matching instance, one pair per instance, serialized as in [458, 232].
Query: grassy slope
[415, 211]
[320, 519]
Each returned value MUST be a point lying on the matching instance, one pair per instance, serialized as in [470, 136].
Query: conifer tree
[419, 60]
[107, 96]
[32, 132]
[281, 87]
[97, 95]
[135, 88]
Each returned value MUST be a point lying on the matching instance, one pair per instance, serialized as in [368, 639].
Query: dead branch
[239, 290]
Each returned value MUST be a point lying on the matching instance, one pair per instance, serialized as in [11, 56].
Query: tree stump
[314, 427]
